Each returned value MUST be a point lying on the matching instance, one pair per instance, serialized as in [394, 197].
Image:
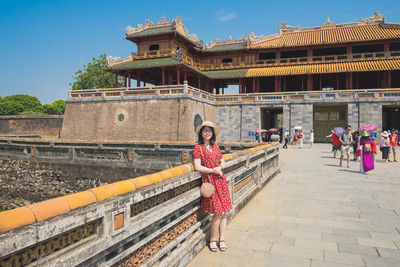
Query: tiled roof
[377, 31]
[151, 32]
[146, 63]
[358, 66]
[225, 74]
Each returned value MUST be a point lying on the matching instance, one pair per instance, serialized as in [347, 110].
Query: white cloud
[225, 16]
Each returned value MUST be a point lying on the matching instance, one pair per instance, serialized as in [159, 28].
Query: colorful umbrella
[368, 128]
[338, 131]
[260, 130]
[273, 130]
[297, 127]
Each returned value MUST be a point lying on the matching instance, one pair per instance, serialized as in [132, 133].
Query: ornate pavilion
[358, 55]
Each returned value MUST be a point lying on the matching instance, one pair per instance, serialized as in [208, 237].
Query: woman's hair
[200, 136]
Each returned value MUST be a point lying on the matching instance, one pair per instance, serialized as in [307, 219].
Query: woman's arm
[198, 167]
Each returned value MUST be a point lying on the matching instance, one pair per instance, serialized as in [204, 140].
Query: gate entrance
[326, 118]
[271, 118]
[390, 117]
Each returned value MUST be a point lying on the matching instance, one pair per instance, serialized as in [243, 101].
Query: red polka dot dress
[220, 201]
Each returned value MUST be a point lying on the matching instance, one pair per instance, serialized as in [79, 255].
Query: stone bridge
[148, 220]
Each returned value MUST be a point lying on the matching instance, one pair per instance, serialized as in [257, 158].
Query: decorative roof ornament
[284, 27]
[163, 20]
[377, 17]
[328, 24]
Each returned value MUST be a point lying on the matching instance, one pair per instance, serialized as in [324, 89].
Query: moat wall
[45, 125]
[27, 181]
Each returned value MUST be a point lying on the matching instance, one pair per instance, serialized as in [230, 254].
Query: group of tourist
[297, 138]
[363, 146]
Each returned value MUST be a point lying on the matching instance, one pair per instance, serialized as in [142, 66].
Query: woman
[208, 160]
[335, 144]
[355, 145]
[301, 138]
[367, 159]
[311, 138]
[385, 146]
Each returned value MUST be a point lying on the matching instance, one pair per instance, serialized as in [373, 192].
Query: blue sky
[44, 42]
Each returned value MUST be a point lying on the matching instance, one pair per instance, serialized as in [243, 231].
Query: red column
[349, 50]
[184, 75]
[278, 54]
[309, 52]
[240, 86]
[254, 85]
[129, 78]
[277, 84]
[163, 76]
[198, 82]
[116, 79]
[309, 82]
[169, 77]
[138, 79]
[125, 81]
[178, 76]
[389, 79]
[386, 47]
[349, 80]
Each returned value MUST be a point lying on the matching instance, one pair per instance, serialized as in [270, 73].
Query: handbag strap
[202, 155]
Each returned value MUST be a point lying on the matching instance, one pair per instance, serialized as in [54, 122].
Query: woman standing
[367, 159]
[355, 145]
[209, 161]
[385, 146]
[335, 144]
[301, 136]
[311, 138]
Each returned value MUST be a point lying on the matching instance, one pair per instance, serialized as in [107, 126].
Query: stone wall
[150, 118]
[46, 125]
[25, 181]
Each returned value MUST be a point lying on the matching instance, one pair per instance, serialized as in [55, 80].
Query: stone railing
[146, 154]
[152, 219]
[247, 97]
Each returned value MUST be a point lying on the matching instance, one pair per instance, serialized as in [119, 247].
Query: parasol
[368, 128]
[338, 131]
[260, 130]
[272, 130]
[297, 127]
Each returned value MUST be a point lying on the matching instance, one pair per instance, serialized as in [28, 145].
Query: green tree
[30, 104]
[93, 75]
[10, 107]
[57, 107]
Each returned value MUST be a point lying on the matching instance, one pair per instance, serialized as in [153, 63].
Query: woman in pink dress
[208, 160]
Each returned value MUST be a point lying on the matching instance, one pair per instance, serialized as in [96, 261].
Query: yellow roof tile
[358, 66]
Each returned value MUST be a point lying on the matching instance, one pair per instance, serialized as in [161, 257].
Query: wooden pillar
[337, 82]
[116, 79]
[254, 85]
[138, 78]
[309, 82]
[240, 86]
[349, 50]
[320, 82]
[198, 82]
[129, 78]
[162, 76]
[178, 76]
[278, 54]
[386, 47]
[309, 52]
[223, 90]
[389, 79]
[169, 76]
[277, 89]
[144, 83]
[184, 75]
[349, 80]
[125, 81]
[357, 85]
[258, 85]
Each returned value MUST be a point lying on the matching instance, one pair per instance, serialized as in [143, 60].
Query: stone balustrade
[152, 219]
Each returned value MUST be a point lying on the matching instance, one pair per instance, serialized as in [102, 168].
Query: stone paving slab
[316, 213]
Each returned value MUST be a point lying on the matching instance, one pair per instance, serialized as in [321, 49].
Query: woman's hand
[218, 170]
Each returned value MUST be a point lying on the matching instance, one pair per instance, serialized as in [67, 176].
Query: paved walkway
[316, 213]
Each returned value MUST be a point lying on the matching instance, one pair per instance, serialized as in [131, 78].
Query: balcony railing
[112, 93]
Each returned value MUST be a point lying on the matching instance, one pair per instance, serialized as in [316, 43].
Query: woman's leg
[215, 223]
[222, 228]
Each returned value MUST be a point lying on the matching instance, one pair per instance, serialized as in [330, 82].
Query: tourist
[373, 147]
[311, 138]
[367, 161]
[356, 140]
[346, 141]
[209, 161]
[295, 138]
[335, 144]
[393, 144]
[286, 136]
[385, 146]
[301, 136]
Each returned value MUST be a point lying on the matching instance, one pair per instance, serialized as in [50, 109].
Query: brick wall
[154, 118]
[46, 125]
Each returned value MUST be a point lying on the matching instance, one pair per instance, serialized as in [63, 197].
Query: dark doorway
[390, 117]
[271, 118]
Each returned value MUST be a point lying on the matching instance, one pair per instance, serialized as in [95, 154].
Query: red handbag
[206, 189]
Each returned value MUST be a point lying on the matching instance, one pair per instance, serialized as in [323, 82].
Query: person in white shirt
[311, 137]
